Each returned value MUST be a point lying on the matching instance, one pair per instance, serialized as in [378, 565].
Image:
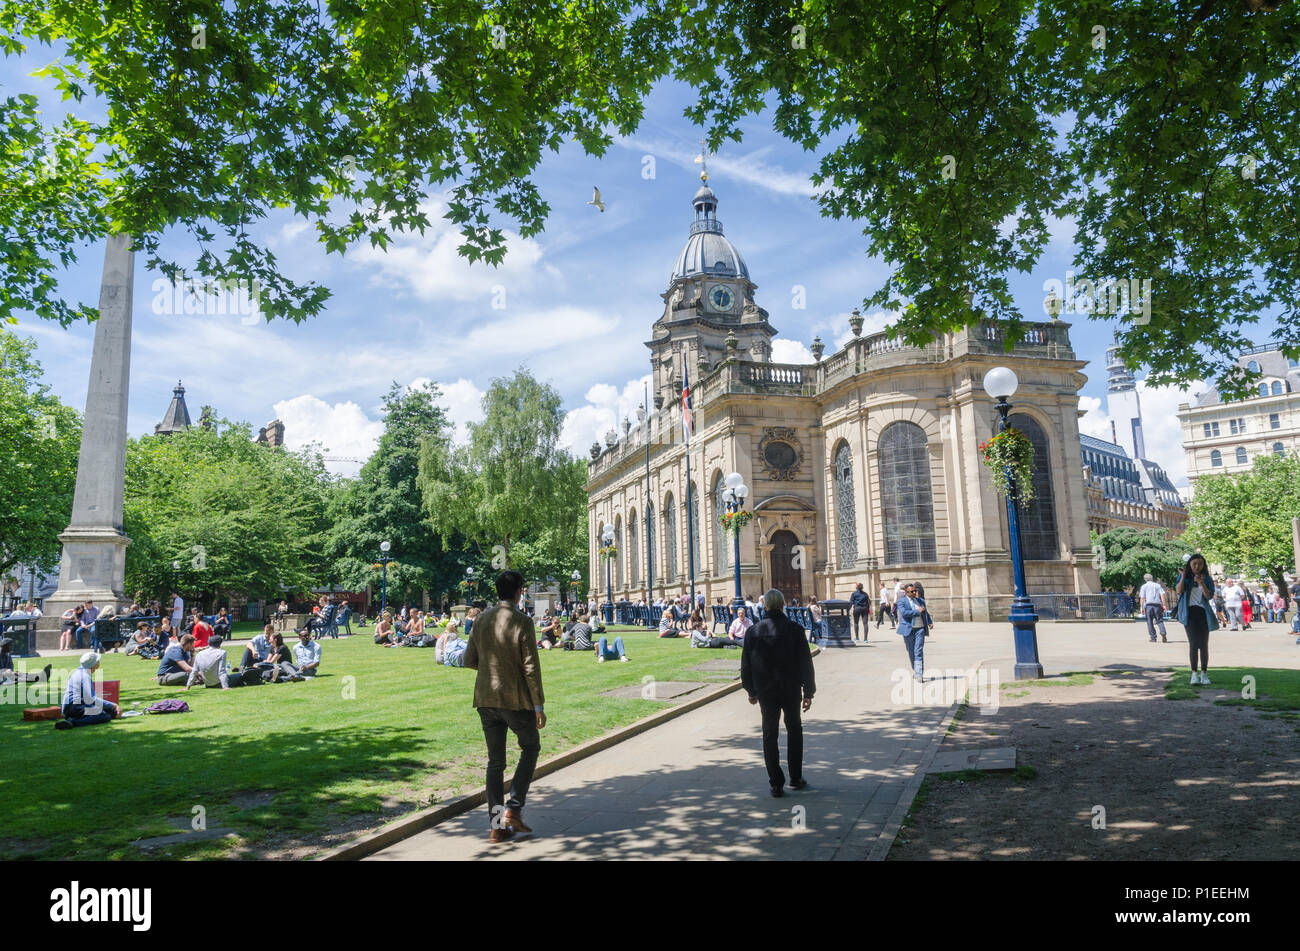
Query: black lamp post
[384, 549]
[1000, 383]
[608, 538]
[734, 498]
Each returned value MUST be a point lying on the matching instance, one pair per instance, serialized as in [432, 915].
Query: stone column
[94, 547]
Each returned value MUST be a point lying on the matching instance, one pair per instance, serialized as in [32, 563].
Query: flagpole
[690, 522]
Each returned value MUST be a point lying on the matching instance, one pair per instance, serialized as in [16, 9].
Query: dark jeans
[883, 612]
[862, 615]
[77, 715]
[523, 724]
[1155, 615]
[1198, 638]
[773, 706]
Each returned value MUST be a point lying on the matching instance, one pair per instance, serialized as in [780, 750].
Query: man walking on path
[885, 608]
[1153, 606]
[776, 671]
[508, 695]
[860, 601]
[1233, 595]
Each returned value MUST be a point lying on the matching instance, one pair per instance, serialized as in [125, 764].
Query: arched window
[697, 553]
[670, 540]
[1263, 389]
[1276, 388]
[846, 519]
[1241, 455]
[721, 541]
[1216, 458]
[1278, 450]
[1253, 366]
[634, 563]
[1038, 518]
[906, 499]
[650, 543]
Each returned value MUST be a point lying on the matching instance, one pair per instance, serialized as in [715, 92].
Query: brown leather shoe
[515, 822]
[501, 835]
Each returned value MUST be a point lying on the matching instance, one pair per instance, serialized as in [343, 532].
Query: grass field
[281, 763]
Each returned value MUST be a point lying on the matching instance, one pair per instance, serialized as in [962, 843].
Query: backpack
[168, 706]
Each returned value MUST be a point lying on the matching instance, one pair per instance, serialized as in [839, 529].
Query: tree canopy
[1242, 520]
[513, 494]
[39, 442]
[238, 516]
[1130, 553]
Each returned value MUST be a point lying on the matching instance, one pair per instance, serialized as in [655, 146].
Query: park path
[695, 788]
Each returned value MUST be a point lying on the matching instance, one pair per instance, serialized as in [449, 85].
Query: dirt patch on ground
[1178, 779]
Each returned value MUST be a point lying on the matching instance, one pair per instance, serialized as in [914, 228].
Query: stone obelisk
[94, 545]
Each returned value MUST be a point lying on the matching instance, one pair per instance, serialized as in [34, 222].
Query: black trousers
[1198, 638]
[862, 615]
[773, 707]
[523, 724]
[883, 612]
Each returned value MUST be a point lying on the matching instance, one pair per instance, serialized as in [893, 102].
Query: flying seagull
[595, 198]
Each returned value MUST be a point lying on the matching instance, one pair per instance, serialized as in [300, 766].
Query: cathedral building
[861, 467]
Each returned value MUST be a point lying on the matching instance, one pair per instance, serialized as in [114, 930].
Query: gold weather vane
[702, 160]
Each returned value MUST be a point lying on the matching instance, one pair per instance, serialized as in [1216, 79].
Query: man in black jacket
[860, 603]
[777, 672]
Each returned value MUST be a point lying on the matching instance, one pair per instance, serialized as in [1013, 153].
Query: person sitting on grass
[165, 633]
[275, 664]
[80, 705]
[142, 643]
[212, 667]
[700, 636]
[384, 629]
[10, 676]
[667, 627]
[175, 668]
[258, 649]
[450, 650]
[739, 626]
[200, 629]
[548, 630]
[306, 654]
[222, 624]
[579, 636]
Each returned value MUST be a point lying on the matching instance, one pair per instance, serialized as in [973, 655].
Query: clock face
[721, 297]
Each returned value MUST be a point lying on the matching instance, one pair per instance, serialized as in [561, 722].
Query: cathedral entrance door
[786, 578]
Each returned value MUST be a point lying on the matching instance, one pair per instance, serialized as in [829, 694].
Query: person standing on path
[178, 611]
[1233, 595]
[885, 608]
[1153, 606]
[1196, 613]
[860, 602]
[776, 671]
[508, 695]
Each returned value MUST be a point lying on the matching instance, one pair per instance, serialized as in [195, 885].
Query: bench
[23, 632]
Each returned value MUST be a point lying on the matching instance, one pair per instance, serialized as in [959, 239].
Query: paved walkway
[695, 788]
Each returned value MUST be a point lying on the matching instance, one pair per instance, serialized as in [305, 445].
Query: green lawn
[1276, 690]
[410, 736]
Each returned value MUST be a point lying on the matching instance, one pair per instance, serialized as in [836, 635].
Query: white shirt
[886, 596]
[210, 666]
[1232, 596]
[898, 592]
[178, 608]
[1152, 593]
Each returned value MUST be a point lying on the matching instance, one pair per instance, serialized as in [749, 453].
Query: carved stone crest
[781, 453]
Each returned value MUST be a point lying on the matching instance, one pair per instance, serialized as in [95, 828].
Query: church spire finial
[702, 160]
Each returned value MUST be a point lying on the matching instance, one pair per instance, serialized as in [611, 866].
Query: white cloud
[746, 168]
[605, 408]
[790, 351]
[342, 429]
[1161, 431]
[462, 400]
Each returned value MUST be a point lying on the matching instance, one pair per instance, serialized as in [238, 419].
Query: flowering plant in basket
[733, 522]
[1010, 450]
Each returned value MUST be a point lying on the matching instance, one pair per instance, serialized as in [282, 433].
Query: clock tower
[709, 296]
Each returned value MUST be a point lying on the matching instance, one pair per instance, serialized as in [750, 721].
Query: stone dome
[707, 251]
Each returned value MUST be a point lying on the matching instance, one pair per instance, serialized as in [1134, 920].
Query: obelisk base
[94, 562]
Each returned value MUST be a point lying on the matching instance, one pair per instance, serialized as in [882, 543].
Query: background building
[1123, 493]
[1226, 437]
[863, 467]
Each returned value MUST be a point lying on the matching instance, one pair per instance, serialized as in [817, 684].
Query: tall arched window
[1038, 518]
[1216, 458]
[1263, 389]
[721, 541]
[670, 540]
[695, 530]
[1241, 455]
[650, 543]
[1276, 388]
[846, 517]
[634, 563]
[906, 499]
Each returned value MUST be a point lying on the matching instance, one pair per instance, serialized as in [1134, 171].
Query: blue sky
[574, 304]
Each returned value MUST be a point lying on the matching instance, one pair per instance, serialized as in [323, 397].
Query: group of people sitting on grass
[697, 629]
[267, 659]
[580, 633]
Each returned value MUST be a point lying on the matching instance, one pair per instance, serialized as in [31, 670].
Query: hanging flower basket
[733, 522]
[610, 552]
[1010, 450]
[466, 585]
